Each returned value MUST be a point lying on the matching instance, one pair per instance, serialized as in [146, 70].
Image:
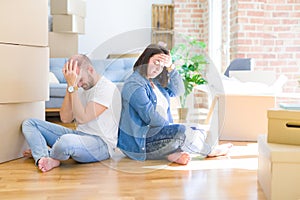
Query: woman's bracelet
[171, 68]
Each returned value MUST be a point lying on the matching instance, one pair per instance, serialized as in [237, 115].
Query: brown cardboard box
[69, 47]
[68, 24]
[68, 7]
[24, 73]
[24, 22]
[243, 117]
[284, 126]
[278, 169]
[11, 117]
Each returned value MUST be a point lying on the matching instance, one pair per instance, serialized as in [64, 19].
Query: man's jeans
[63, 142]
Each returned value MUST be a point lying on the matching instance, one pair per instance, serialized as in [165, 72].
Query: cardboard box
[68, 7]
[63, 45]
[284, 126]
[68, 24]
[24, 73]
[243, 117]
[24, 22]
[278, 169]
[11, 117]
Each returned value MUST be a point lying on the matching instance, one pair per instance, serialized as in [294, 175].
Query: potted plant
[190, 62]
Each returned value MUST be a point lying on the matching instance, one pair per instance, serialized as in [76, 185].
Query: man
[94, 103]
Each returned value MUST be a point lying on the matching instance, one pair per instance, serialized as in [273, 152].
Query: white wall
[117, 26]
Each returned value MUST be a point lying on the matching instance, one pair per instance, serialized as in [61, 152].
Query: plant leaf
[191, 63]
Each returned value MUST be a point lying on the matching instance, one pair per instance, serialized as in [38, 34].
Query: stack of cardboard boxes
[24, 70]
[68, 20]
[279, 155]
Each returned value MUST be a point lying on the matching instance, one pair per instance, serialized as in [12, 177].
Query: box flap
[267, 77]
[278, 113]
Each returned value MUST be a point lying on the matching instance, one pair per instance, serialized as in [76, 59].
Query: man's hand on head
[71, 71]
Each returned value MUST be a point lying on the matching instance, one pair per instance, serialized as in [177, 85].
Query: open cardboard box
[242, 108]
[243, 117]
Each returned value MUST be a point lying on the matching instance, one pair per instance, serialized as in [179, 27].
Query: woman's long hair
[142, 63]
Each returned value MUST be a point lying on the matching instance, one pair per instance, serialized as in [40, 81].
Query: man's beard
[89, 84]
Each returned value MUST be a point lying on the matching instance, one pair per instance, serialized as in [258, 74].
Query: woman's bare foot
[182, 158]
[220, 150]
[46, 164]
[27, 153]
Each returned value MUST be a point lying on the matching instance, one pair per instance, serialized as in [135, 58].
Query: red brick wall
[191, 18]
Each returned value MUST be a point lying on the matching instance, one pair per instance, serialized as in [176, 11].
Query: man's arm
[72, 107]
[85, 114]
[69, 72]
[66, 111]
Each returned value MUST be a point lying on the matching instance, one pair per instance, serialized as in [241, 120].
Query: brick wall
[269, 32]
[266, 30]
[191, 18]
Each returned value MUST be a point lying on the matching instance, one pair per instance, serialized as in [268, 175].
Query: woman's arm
[175, 86]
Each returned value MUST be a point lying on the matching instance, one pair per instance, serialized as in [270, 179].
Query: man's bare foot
[46, 164]
[182, 158]
[27, 153]
[220, 150]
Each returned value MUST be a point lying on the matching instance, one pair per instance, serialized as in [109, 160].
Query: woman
[146, 130]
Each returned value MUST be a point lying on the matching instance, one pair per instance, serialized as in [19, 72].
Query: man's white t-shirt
[105, 125]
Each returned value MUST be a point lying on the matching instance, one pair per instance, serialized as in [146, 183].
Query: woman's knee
[176, 132]
[180, 135]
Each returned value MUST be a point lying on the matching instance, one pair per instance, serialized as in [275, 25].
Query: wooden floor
[230, 177]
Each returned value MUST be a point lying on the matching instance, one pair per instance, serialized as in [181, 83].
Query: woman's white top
[162, 103]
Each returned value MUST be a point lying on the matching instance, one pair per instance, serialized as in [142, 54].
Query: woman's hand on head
[166, 59]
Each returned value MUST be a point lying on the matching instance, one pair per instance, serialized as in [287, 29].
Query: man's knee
[27, 124]
[66, 141]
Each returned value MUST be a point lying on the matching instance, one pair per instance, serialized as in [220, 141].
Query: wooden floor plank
[230, 177]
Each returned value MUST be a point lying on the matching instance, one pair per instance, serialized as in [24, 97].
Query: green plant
[190, 63]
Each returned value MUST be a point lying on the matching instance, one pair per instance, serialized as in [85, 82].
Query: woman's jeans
[63, 142]
[176, 138]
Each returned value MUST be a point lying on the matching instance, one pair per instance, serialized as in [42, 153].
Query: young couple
[137, 121]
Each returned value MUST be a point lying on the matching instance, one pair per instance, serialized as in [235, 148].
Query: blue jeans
[176, 138]
[63, 142]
